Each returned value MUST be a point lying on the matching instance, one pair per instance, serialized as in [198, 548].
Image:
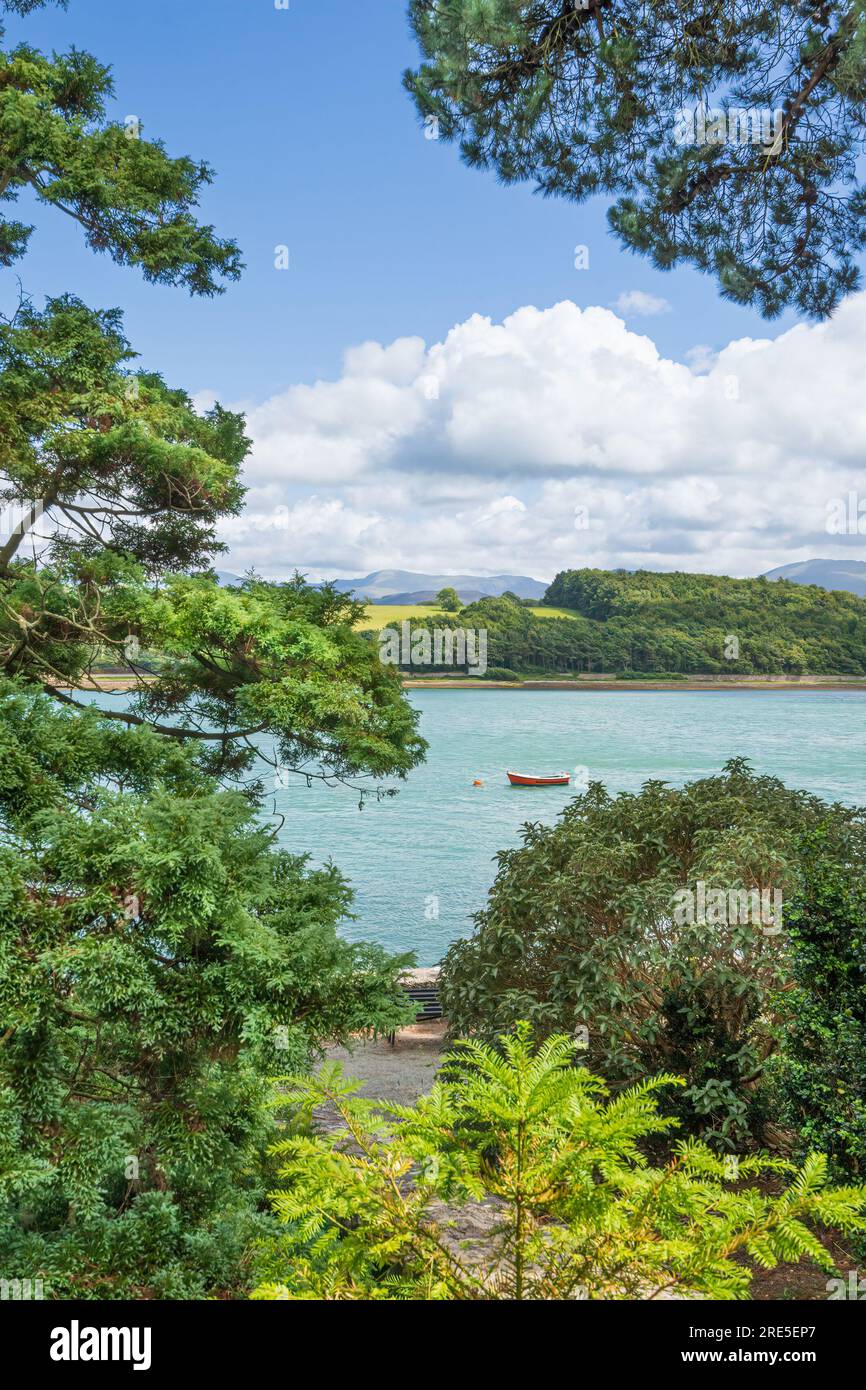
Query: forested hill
[685, 622]
[616, 622]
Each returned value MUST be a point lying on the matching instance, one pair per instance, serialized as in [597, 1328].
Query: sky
[435, 382]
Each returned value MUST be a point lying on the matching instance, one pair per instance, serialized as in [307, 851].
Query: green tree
[130, 483]
[158, 955]
[821, 1067]
[159, 959]
[115, 484]
[646, 622]
[132, 200]
[578, 1211]
[630, 922]
[449, 600]
[602, 97]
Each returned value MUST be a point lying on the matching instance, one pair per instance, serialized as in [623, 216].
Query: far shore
[816, 683]
[117, 683]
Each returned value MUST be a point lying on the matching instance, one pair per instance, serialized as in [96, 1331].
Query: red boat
[524, 779]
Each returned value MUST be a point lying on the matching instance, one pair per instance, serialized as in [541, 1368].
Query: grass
[554, 612]
[379, 615]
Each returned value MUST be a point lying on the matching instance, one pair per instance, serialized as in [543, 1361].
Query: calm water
[431, 848]
[437, 839]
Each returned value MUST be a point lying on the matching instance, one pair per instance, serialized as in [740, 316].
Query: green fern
[579, 1212]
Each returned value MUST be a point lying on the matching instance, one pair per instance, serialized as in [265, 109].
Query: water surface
[431, 849]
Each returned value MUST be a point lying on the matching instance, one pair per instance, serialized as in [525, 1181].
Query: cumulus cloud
[639, 304]
[559, 437]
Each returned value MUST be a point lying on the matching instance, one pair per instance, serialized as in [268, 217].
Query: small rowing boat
[525, 779]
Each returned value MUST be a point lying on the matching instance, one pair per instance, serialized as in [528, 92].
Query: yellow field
[553, 612]
[379, 615]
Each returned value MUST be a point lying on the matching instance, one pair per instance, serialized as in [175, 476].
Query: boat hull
[523, 779]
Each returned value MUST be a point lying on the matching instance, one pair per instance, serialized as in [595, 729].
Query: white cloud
[559, 437]
[639, 304]
[700, 358]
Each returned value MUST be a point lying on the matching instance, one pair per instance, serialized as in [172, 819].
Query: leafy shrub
[500, 673]
[581, 932]
[580, 1212]
[821, 1068]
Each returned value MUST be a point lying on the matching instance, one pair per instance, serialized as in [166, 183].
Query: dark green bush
[820, 1070]
[500, 673]
[581, 935]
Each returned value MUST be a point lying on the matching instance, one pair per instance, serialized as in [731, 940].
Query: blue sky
[525, 440]
[316, 146]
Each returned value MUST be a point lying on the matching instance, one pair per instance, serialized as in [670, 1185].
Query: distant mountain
[402, 586]
[226, 580]
[849, 575]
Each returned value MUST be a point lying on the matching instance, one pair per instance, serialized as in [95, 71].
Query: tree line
[690, 624]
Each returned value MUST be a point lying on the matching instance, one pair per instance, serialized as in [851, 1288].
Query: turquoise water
[430, 850]
[432, 847]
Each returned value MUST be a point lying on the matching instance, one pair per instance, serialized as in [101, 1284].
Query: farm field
[551, 612]
[379, 615]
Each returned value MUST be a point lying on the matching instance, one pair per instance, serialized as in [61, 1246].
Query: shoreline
[818, 684]
[118, 684]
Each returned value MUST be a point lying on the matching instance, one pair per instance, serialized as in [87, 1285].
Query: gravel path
[400, 1073]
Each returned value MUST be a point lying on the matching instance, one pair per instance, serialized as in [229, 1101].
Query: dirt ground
[399, 1073]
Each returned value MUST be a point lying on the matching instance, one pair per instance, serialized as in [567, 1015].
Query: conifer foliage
[159, 956]
[726, 136]
[131, 198]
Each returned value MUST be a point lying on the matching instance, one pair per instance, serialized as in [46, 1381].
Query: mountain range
[405, 586]
[827, 574]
